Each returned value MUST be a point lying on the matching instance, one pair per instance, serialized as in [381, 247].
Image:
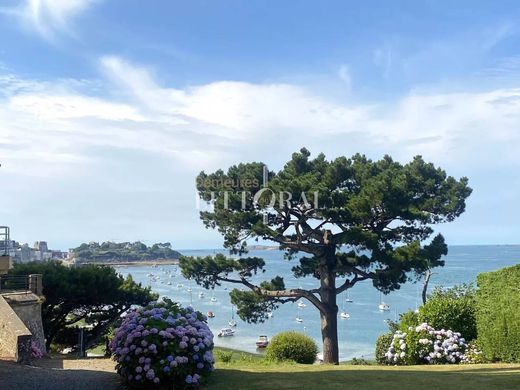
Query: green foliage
[360, 362]
[125, 251]
[408, 319]
[382, 344]
[91, 295]
[224, 356]
[292, 346]
[474, 353]
[453, 309]
[498, 314]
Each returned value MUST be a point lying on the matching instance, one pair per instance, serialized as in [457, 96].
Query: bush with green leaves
[498, 314]
[382, 345]
[292, 346]
[224, 356]
[452, 308]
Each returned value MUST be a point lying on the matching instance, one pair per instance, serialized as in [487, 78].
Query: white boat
[298, 318]
[213, 299]
[348, 299]
[262, 342]
[382, 305]
[180, 285]
[226, 332]
[201, 295]
[301, 304]
[188, 289]
[232, 323]
[344, 314]
[169, 283]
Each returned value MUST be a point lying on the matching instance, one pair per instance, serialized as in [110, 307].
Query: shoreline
[141, 263]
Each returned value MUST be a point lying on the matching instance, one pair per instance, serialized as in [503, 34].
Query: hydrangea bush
[423, 344]
[164, 345]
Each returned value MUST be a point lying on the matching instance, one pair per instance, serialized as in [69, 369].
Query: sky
[110, 108]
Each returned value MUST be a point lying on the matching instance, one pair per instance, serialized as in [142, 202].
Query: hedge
[498, 314]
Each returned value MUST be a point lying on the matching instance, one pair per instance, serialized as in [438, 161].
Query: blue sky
[108, 109]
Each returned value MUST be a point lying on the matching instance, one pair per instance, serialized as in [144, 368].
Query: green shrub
[382, 344]
[224, 356]
[292, 346]
[498, 314]
[408, 319]
[360, 362]
[453, 309]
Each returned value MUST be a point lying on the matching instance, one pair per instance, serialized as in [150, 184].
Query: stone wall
[28, 307]
[15, 337]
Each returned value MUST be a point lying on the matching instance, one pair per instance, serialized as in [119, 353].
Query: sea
[357, 334]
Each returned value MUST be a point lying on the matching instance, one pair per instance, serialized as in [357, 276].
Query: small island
[124, 253]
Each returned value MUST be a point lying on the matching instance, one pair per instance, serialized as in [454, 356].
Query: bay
[357, 335]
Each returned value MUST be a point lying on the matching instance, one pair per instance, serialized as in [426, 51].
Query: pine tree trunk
[329, 335]
[329, 315]
[425, 285]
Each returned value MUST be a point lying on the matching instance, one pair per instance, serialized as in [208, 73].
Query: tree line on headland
[124, 251]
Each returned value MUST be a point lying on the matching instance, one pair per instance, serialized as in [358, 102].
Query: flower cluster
[163, 344]
[424, 344]
[36, 352]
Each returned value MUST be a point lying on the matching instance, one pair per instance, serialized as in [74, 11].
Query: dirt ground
[60, 374]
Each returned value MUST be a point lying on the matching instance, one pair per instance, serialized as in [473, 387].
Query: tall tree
[354, 219]
[93, 294]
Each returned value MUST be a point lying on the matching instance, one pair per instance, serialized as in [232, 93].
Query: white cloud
[155, 138]
[196, 124]
[47, 17]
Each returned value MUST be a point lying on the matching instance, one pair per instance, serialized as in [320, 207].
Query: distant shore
[139, 263]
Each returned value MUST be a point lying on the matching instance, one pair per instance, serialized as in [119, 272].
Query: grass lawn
[249, 371]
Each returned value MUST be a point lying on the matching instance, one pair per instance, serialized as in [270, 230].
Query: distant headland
[124, 253]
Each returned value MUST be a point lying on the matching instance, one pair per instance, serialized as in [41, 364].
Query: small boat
[348, 299]
[301, 304]
[201, 295]
[344, 314]
[211, 314]
[188, 289]
[299, 319]
[232, 323]
[213, 299]
[226, 332]
[169, 283]
[262, 342]
[180, 285]
[382, 305]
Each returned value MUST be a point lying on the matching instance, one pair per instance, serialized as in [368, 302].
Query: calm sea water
[357, 335]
